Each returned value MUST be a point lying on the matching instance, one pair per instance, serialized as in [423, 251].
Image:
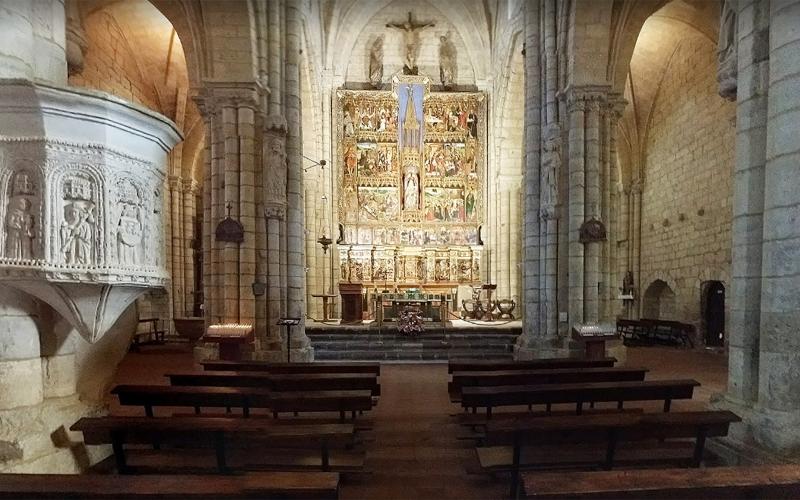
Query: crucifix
[411, 40]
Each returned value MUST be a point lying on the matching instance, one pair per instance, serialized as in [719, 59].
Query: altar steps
[436, 345]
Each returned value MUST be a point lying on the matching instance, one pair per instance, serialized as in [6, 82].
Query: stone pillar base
[763, 436]
[527, 349]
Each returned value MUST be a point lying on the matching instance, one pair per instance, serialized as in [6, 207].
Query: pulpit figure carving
[447, 61]
[76, 233]
[376, 63]
[19, 229]
[411, 33]
[129, 236]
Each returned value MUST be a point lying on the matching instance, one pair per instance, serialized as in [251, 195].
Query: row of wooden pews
[573, 435]
[246, 437]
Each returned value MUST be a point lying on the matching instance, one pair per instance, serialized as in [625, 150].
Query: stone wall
[686, 199]
[110, 64]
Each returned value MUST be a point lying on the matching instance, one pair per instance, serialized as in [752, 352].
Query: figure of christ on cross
[411, 40]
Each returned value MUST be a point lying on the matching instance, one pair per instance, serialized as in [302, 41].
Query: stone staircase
[433, 345]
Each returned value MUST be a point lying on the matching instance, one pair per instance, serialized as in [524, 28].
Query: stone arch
[658, 301]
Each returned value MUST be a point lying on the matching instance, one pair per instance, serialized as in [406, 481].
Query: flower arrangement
[410, 322]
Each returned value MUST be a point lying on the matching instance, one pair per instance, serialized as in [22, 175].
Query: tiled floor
[413, 451]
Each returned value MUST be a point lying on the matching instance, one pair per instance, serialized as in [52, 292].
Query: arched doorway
[658, 301]
[714, 313]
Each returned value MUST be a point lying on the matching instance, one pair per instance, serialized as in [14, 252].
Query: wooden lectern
[352, 305]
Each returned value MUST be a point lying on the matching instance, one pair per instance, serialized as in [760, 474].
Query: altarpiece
[411, 185]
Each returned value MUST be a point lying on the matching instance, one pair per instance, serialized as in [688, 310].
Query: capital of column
[274, 211]
[214, 95]
[175, 183]
[636, 186]
[586, 97]
[190, 186]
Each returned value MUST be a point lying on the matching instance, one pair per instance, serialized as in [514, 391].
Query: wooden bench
[507, 440]
[655, 331]
[280, 383]
[549, 394]
[534, 364]
[171, 487]
[288, 368]
[729, 483]
[245, 398]
[221, 434]
[530, 377]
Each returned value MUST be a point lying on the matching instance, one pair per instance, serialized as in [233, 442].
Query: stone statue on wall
[129, 235]
[727, 50]
[76, 232]
[275, 180]
[411, 33]
[411, 189]
[376, 63]
[19, 229]
[447, 61]
[551, 162]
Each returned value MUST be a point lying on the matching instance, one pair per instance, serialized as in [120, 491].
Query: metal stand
[288, 323]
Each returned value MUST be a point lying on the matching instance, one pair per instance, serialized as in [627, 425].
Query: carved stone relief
[20, 221]
[275, 180]
[130, 226]
[78, 223]
[551, 163]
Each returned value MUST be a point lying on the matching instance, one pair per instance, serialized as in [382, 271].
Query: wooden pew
[729, 483]
[222, 434]
[279, 383]
[508, 439]
[288, 368]
[170, 487]
[245, 398]
[467, 365]
[549, 394]
[531, 377]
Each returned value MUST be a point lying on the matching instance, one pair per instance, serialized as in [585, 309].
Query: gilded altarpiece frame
[411, 167]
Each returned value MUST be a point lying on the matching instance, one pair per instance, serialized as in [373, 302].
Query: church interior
[399, 249]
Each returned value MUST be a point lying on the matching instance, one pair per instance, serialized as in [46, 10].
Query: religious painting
[444, 204]
[377, 203]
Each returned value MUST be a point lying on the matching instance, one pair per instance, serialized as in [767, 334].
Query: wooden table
[325, 298]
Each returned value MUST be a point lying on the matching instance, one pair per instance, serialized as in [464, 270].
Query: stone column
[577, 182]
[532, 343]
[592, 270]
[175, 246]
[189, 214]
[295, 264]
[747, 226]
[778, 409]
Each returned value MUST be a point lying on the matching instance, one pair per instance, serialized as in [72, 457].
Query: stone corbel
[76, 38]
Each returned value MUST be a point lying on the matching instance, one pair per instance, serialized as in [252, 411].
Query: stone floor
[412, 452]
